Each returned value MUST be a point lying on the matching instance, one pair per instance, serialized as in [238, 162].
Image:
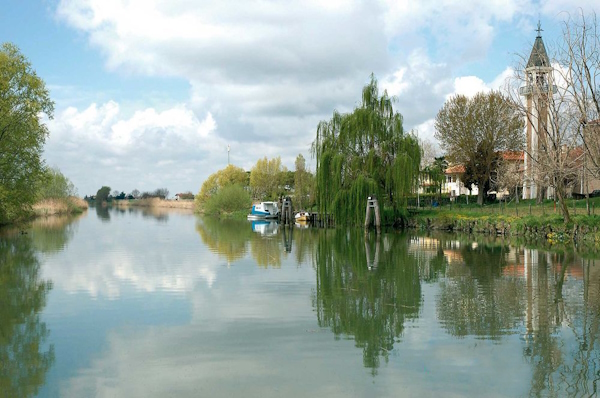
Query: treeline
[232, 189]
[25, 180]
[104, 194]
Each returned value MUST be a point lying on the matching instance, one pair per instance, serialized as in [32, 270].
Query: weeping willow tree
[365, 153]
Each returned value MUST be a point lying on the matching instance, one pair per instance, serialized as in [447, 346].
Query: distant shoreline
[156, 202]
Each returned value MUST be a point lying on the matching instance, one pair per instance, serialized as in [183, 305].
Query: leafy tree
[102, 194]
[303, 184]
[363, 153]
[54, 185]
[266, 177]
[230, 175]
[23, 99]
[473, 130]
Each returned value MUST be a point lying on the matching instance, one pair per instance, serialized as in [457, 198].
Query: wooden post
[287, 216]
[374, 205]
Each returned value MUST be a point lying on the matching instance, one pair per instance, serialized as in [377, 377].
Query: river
[157, 303]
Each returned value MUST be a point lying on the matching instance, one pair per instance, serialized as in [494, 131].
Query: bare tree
[579, 57]
[429, 152]
[509, 174]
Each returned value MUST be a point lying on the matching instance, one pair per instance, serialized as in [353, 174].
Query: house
[183, 196]
[454, 186]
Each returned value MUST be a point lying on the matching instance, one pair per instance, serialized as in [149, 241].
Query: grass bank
[524, 219]
[52, 207]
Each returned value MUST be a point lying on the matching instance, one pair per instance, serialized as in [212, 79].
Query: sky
[151, 93]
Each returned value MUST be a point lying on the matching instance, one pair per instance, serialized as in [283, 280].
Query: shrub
[228, 200]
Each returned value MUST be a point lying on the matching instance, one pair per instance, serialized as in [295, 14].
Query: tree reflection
[23, 359]
[564, 308]
[226, 237]
[475, 298]
[51, 234]
[102, 212]
[371, 305]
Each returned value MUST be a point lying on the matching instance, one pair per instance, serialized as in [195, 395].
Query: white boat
[265, 227]
[264, 210]
[302, 216]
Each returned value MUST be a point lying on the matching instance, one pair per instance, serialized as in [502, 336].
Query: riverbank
[156, 202]
[549, 226]
[63, 206]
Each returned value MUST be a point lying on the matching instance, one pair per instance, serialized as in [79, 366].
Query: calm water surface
[158, 303]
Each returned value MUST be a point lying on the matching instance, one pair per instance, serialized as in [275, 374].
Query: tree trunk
[480, 197]
[563, 205]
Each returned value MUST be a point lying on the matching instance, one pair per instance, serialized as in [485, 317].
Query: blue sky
[149, 93]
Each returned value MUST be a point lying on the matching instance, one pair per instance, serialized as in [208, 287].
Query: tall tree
[102, 194]
[363, 153]
[266, 177]
[473, 130]
[23, 99]
[303, 182]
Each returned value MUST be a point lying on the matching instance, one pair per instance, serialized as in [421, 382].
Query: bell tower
[537, 91]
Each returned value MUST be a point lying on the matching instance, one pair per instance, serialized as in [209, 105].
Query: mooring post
[286, 211]
[374, 205]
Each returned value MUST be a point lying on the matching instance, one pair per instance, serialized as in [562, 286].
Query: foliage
[303, 184]
[229, 199]
[364, 153]
[54, 185]
[473, 130]
[230, 175]
[23, 99]
[25, 355]
[266, 178]
[102, 194]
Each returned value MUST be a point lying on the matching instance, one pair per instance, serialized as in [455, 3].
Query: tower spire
[539, 29]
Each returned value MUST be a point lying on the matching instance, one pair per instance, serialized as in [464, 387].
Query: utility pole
[228, 148]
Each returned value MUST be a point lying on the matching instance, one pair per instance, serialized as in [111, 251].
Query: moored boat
[302, 216]
[264, 210]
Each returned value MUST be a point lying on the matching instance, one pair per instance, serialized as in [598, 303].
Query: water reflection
[476, 298]
[51, 234]
[24, 357]
[234, 238]
[562, 323]
[228, 238]
[370, 305]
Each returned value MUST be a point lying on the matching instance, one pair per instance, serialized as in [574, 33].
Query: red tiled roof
[513, 155]
[456, 169]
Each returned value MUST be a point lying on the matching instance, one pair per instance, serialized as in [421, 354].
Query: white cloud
[89, 144]
[267, 72]
[469, 86]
